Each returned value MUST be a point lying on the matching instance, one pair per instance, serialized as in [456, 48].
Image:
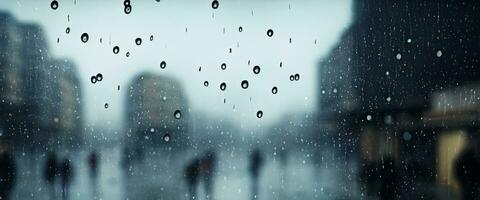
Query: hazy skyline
[187, 35]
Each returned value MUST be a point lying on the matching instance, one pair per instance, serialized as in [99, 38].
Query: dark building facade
[157, 111]
[40, 96]
[379, 86]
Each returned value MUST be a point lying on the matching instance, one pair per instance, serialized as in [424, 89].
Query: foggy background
[188, 35]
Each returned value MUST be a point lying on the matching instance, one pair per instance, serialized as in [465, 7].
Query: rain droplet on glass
[116, 49]
[256, 69]
[398, 56]
[54, 4]
[439, 53]
[274, 90]
[223, 66]
[244, 84]
[127, 9]
[270, 33]
[223, 86]
[163, 64]
[99, 77]
[93, 79]
[166, 137]
[259, 114]
[177, 114]
[215, 4]
[84, 37]
[138, 41]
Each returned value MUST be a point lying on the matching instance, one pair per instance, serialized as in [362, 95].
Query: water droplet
[409, 40]
[166, 137]
[389, 99]
[54, 4]
[163, 64]
[439, 53]
[205, 83]
[407, 136]
[126, 2]
[244, 84]
[138, 41]
[292, 77]
[93, 79]
[151, 37]
[259, 114]
[270, 33]
[223, 66]
[127, 9]
[127, 54]
[274, 90]
[281, 64]
[177, 114]
[215, 4]
[399, 56]
[369, 117]
[118, 87]
[84, 37]
[116, 49]
[223, 86]
[297, 77]
[67, 30]
[256, 69]
[240, 29]
[106, 105]
[99, 77]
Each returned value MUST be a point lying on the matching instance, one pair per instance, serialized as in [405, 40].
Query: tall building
[157, 111]
[40, 96]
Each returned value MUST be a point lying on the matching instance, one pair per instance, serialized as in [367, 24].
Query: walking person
[8, 171]
[256, 163]
[66, 173]
[50, 173]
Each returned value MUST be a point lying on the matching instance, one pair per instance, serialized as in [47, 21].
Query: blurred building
[383, 88]
[157, 111]
[40, 96]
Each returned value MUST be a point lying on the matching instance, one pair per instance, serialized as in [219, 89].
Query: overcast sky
[189, 34]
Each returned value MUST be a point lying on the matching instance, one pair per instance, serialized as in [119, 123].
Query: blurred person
[191, 176]
[7, 171]
[256, 163]
[207, 169]
[93, 165]
[201, 170]
[50, 173]
[66, 173]
[467, 169]
[388, 179]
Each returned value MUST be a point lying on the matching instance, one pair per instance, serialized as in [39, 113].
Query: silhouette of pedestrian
[207, 170]
[7, 171]
[388, 179]
[51, 171]
[93, 165]
[66, 171]
[192, 177]
[256, 162]
[468, 172]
